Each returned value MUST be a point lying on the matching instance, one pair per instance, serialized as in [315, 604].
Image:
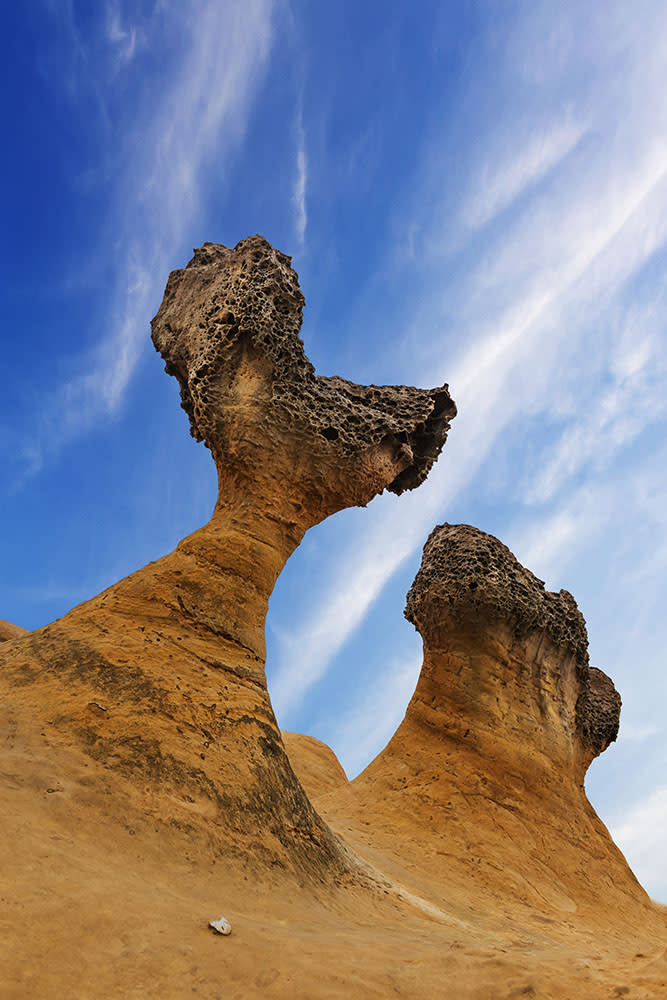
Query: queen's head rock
[145, 788]
[228, 329]
[160, 679]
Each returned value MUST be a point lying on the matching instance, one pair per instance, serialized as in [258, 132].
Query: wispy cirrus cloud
[359, 735]
[499, 185]
[615, 419]
[122, 36]
[493, 394]
[538, 312]
[197, 112]
[301, 181]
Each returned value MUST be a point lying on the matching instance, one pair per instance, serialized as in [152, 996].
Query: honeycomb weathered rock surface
[228, 329]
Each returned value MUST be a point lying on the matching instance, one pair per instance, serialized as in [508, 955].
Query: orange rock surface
[9, 631]
[145, 788]
[314, 763]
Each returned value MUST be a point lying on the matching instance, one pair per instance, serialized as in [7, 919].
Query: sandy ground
[100, 901]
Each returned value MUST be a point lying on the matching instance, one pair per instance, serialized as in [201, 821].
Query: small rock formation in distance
[9, 631]
[314, 763]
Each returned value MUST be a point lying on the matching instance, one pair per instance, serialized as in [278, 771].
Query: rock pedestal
[486, 772]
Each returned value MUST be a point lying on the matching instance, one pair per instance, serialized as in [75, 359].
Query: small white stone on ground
[221, 926]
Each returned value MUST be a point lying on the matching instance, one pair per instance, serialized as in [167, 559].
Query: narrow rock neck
[227, 572]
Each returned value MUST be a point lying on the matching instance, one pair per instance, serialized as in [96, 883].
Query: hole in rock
[342, 662]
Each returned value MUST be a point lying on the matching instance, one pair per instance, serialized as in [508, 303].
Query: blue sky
[472, 192]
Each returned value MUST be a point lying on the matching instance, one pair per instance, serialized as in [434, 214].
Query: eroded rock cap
[464, 570]
[242, 308]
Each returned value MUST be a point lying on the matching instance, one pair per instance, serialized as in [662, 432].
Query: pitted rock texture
[600, 711]
[465, 572]
[228, 329]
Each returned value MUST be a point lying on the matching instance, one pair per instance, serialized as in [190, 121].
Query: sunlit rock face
[9, 631]
[145, 788]
[160, 679]
[486, 771]
[315, 764]
[505, 658]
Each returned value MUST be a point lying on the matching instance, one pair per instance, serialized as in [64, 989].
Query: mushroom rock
[160, 679]
[9, 631]
[228, 329]
[485, 773]
[528, 687]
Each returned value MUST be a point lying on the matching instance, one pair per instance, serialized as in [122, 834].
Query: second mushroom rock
[486, 771]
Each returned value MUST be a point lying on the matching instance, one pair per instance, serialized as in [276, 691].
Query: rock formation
[9, 631]
[526, 687]
[314, 763]
[161, 677]
[228, 329]
[487, 768]
[145, 788]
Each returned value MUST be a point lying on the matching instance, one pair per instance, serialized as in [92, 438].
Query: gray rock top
[229, 304]
[599, 711]
[466, 569]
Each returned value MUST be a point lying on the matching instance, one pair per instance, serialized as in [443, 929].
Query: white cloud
[614, 419]
[498, 186]
[305, 654]
[360, 734]
[641, 836]
[492, 392]
[301, 182]
[201, 114]
[533, 320]
[123, 38]
[550, 542]
[638, 732]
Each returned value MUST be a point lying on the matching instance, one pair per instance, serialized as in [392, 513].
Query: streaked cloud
[201, 114]
[301, 181]
[493, 396]
[123, 37]
[500, 184]
[632, 399]
[548, 336]
[374, 720]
